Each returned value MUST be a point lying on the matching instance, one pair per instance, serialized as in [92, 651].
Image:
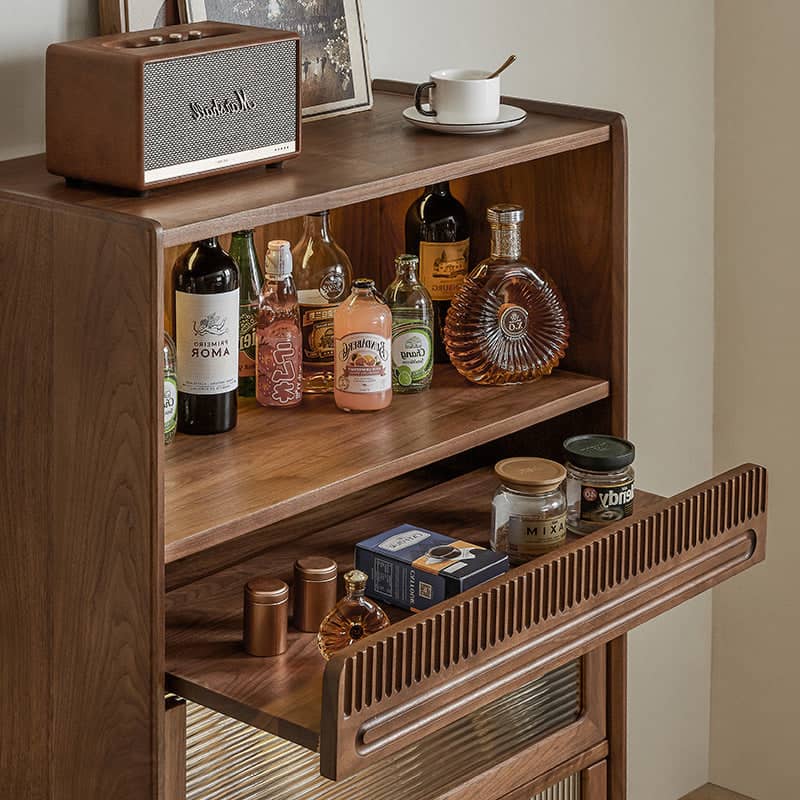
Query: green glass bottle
[412, 328]
[243, 251]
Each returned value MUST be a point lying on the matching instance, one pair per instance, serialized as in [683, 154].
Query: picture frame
[123, 16]
[335, 76]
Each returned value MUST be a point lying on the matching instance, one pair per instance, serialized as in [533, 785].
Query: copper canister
[266, 616]
[314, 591]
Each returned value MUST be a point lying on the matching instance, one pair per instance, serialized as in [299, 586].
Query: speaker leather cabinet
[153, 108]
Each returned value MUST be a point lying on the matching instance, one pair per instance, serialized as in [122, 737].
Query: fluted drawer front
[568, 789]
[228, 760]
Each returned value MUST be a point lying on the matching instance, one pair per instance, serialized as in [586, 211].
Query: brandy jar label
[513, 321]
[206, 328]
[247, 341]
[412, 351]
[316, 322]
[363, 363]
[607, 503]
[170, 406]
[443, 267]
[531, 535]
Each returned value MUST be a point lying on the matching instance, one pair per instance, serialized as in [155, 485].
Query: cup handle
[427, 112]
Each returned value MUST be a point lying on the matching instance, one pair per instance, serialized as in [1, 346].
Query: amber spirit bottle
[206, 314]
[412, 328]
[323, 275]
[352, 618]
[437, 231]
[508, 322]
[243, 252]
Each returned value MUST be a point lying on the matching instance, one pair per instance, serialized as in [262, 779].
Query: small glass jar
[529, 508]
[600, 481]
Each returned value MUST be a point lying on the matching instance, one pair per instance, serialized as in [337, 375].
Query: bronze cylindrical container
[266, 616]
[314, 591]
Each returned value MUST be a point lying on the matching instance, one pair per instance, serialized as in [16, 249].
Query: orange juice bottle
[362, 363]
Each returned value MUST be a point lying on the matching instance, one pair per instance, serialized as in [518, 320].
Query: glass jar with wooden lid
[529, 510]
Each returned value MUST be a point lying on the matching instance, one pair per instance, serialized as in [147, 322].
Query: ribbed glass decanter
[508, 322]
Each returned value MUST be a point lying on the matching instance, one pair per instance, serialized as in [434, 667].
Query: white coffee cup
[460, 96]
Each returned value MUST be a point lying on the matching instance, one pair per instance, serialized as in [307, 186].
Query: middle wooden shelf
[280, 462]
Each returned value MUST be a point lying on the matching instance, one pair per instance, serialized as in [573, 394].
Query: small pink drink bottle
[279, 342]
[362, 361]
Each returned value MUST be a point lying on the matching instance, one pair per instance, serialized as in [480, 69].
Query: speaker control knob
[195, 34]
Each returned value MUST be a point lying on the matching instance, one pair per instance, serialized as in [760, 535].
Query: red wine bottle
[206, 314]
[437, 230]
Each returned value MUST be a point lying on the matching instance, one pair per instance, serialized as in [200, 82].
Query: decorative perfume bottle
[412, 328]
[352, 618]
[508, 322]
[170, 391]
[362, 329]
[324, 274]
[279, 365]
[243, 252]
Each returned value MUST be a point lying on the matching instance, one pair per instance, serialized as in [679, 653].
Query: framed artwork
[334, 69]
[136, 15]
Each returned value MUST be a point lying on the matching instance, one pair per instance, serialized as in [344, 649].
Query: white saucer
[509, 117]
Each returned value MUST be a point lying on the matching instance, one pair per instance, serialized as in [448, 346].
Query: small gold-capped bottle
[507, 322]
[352, 618]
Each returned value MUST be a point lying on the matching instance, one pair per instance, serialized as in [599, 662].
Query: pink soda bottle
[362, 358]
[279, 342]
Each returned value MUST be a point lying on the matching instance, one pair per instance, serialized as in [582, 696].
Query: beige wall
[756, 651]
[652, 60]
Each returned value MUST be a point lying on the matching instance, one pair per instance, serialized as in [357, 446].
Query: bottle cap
[599, 453]
[505, 213]
[355, 579]
[315, 569]
[267, 591]
[278, 262]
[534, 475]
[363, 283]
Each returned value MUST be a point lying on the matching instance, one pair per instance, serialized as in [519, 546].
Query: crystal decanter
[508, 322]
[352, 618]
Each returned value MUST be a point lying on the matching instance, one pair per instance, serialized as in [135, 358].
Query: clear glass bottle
[600, 481]
[170, 390]
[363, 354]
[352, 618]
[508, 322]
[529, 509]
[412, 328]
[279, 362]
[243, 252]
[323, 274]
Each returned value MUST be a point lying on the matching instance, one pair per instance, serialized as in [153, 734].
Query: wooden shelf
[324, 176]
[283, 695]
[277, 463]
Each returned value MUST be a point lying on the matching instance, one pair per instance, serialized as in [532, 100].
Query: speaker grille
[173, 135]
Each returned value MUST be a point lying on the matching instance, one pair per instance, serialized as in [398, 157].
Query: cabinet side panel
[25, 499]
[107, 544]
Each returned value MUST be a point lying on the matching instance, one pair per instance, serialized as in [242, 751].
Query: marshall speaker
[153, 108]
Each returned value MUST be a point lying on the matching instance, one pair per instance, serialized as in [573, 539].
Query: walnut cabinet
[121, 670]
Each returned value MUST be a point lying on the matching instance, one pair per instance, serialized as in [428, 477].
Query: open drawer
[433, 668]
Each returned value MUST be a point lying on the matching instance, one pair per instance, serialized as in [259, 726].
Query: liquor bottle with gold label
[437, 230]
[352, 618]
[323, 275]
[508, 322]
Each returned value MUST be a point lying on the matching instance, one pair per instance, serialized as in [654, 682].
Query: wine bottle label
[607, 503]
[316, 322]
[363, 363]
[206, 328]
[170, 406]
[247, 341]
[443, 267]
[513, 321]
[412, 352]
[531, 535]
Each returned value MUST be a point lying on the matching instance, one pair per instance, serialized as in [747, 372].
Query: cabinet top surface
[345, 160]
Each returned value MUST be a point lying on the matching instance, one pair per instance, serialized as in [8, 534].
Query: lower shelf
[429, 669]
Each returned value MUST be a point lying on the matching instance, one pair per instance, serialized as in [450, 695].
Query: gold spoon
[504, 66]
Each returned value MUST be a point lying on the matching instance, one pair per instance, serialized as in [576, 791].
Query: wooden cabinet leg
[617, 720]
[175, 749]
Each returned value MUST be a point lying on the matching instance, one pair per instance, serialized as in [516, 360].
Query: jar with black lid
[599, 482]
